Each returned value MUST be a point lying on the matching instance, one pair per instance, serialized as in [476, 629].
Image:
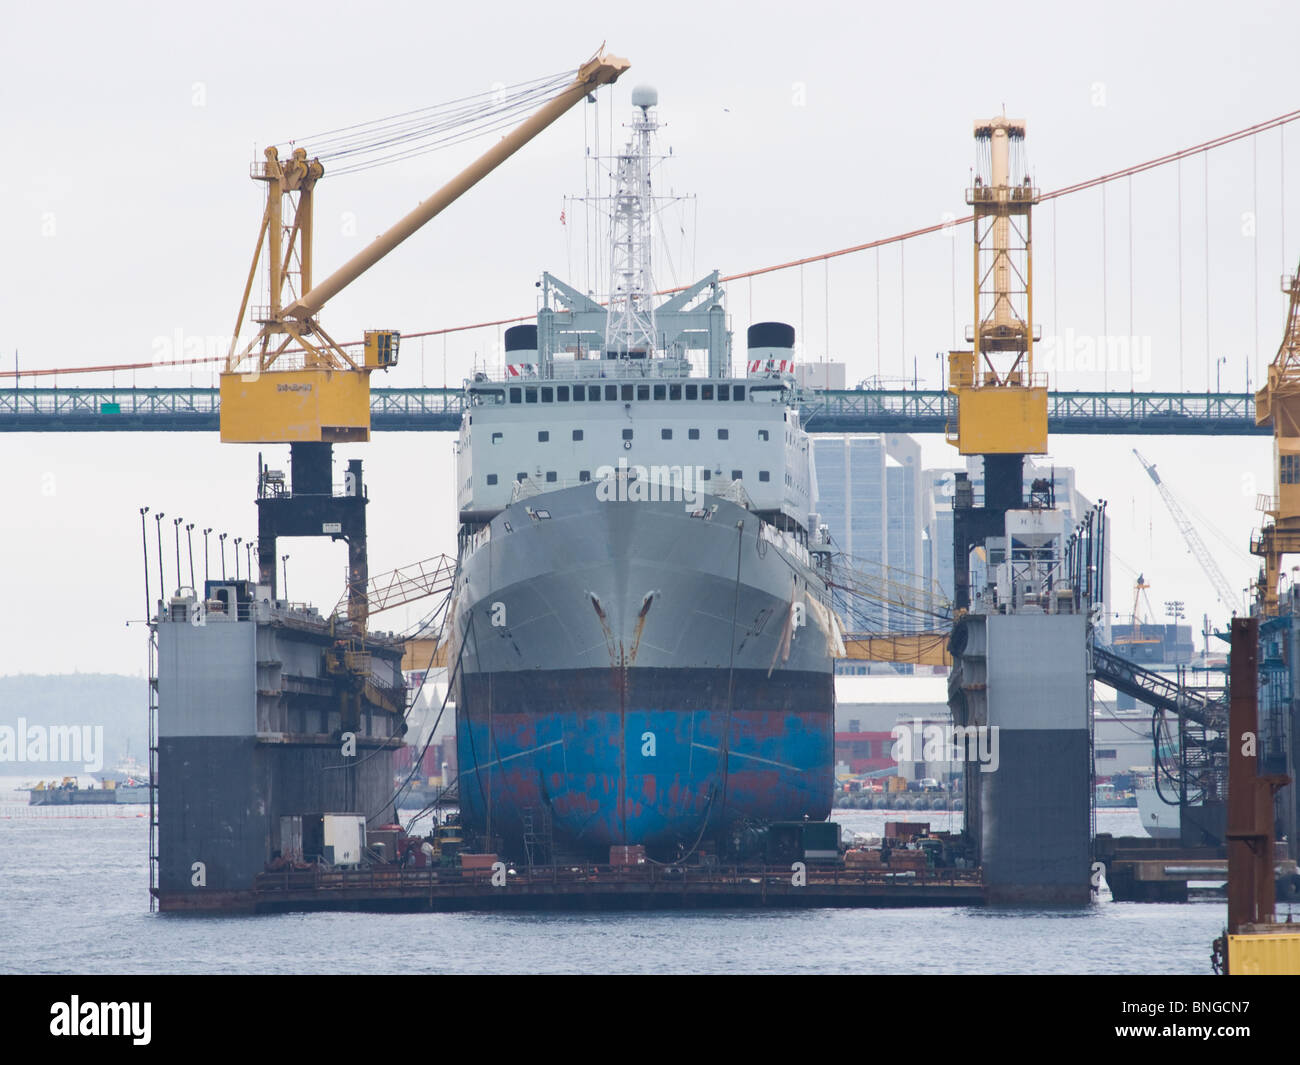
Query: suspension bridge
[40, 399]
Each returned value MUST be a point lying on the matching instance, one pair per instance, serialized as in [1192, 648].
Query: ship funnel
[521, 351]
[771, 348]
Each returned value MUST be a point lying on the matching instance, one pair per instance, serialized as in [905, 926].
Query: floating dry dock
[591, 887]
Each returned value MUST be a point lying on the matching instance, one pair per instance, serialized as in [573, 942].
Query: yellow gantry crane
[1278, 404]
[1137, 627]
[1001, 401]
[292, 382]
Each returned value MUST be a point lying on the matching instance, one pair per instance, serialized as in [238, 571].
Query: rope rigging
[367, 145]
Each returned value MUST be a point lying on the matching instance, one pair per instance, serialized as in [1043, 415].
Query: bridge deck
[181, 410]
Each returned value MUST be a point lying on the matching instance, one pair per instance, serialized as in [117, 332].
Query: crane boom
[601, 70]
[1195, 544]
[315, 392]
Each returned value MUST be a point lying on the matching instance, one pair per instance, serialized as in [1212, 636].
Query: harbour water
[74, 886]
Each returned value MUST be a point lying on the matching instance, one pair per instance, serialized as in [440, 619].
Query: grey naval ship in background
[643, 635]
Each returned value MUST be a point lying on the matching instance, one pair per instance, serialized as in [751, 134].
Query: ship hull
[635, 675]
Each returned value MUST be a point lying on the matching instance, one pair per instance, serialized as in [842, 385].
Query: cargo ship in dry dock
[644, 643]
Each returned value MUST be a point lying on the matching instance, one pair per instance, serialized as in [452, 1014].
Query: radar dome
[645, 96]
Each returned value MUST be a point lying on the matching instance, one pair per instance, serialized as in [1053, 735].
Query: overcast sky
[127, 220]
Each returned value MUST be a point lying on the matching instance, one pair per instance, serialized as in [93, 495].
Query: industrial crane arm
[602, 70]
[1189, 532]
[320, 393]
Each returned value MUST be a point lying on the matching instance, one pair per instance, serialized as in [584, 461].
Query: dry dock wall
[1025, 676]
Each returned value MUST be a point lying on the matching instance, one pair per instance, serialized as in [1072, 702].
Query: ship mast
[630, 326]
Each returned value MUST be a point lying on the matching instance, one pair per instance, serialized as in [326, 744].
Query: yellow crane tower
[1001, 401]
[1278, 404]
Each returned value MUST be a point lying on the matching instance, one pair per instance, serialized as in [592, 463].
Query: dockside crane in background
[1277, 404]
[1192, 536]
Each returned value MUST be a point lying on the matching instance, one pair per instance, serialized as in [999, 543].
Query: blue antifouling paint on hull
[644, 775]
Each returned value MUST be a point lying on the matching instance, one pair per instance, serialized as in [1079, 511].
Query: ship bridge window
[496, 437]
[516, 394]
[642, 391]
[627, 434]
[763, 475]
[627, 393]
[707, 474]
[661, 391]
[724, 391]
[550, 476]
[543, 436]
[562, 394]
[548, 395]
[722, 434]
[674, 391]
[738, 393]
[692, 391]
[706, 391]
[530, 395]
[491, 478]
[584, 475]
[611, 392]
[665, 434]
[521, 477]
[577, 434]
[593, 394]
[762, 434]
[692, 434]
[737, 475]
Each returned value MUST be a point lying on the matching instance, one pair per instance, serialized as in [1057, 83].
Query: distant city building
[1152, 644]
[895, 518]
[820, 375]
[869, 494]
[872, 712]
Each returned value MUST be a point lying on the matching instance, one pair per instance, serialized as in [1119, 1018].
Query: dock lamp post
[162, 581]
[238, 540]
[189, 549]
[222, 538]
[205, 555]
[144, 542]
[284, 562]
[176, 525]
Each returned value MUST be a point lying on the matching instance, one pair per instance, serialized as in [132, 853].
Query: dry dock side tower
[272, 721]
[1020, 678]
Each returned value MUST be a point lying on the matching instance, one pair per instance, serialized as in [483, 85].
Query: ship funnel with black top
[771, 349]
[521, 351]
